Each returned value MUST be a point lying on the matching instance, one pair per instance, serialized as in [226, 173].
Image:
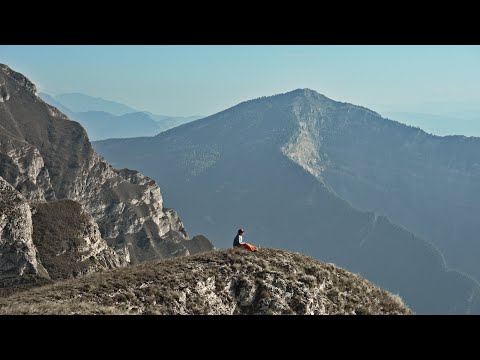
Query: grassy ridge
[218, 282]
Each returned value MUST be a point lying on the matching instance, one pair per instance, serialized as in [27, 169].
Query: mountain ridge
[266, 164]
[101, 123]
[79, 102]
[220, 282]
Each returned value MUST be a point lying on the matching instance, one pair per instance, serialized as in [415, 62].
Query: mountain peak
[292, 95]
[305, 92]
[297, 94]
[19, 78]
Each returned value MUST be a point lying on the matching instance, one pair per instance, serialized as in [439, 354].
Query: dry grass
[218, 282]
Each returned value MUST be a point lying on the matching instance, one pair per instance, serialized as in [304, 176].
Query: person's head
[241, 231]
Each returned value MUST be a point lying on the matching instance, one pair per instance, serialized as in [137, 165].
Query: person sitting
[237, 242]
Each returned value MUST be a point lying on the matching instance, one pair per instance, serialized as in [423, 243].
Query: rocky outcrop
[22, 166]
[45, 156]
[69, 242]
[19, 79]
[220, 282]
[197, 244]
[18, 255]
[128, 207]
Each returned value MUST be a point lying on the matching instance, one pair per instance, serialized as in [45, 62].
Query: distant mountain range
[332, 180]
[103, 125]
[80, 103]
[109, 119]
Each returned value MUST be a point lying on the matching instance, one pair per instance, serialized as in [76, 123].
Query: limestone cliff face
[128, 207]
[45, 156]
[22, 166]
[69, 242]
[18, 255]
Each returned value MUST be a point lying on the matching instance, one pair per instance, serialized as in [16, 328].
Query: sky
[202, 80]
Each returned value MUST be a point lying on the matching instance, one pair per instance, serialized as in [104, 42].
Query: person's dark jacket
[237, 241]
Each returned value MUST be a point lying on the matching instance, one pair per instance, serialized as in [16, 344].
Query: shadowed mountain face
[428, 184]
[46, 157]
[268, 165]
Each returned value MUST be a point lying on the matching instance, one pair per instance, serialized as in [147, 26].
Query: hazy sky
[201, 80]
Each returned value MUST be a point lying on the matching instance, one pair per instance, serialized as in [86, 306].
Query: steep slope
[68, 241]
[54, 158]
[51, 101]
[220, 282]
[260, 165]
[59, 241]
[19, 261]
[428, 184]
[22, 166]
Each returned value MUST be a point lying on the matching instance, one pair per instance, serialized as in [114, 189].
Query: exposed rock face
[68, 241]
[45, 156]
[22, 166]
[305, 143]
[18, 255]
[128, 208]
[19, 78]
[220, 282]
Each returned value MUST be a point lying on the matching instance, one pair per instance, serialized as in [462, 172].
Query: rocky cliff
[220, 282]
[18, 256]
[69, 242]
[47, 157]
